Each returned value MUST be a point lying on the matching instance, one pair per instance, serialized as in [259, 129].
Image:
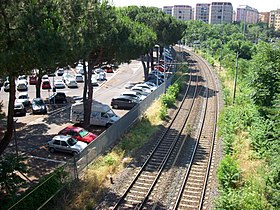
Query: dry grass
[97, 176]
[243, 152]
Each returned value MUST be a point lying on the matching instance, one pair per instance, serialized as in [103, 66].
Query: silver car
[67, 144]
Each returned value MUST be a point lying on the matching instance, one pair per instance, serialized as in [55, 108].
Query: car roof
[71, 127]
[122, 96]
[61, 137]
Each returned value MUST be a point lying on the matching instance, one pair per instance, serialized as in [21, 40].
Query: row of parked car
[137, 93]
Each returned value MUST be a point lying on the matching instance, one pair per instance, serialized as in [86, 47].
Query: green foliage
[109, 160]
[163, 111]
[169, 98]
[137, 137]
[228, 173]
[265, 74]
[10, 169]
[37, 195]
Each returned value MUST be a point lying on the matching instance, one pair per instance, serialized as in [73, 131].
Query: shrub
[228, 173]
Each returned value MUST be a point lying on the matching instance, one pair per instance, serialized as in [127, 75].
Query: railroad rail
[155, 185]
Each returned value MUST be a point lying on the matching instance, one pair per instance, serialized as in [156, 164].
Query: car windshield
[111, 113]
[71, 141]
[23, 97]
[17, 106]
[38, 102]
[83, 133]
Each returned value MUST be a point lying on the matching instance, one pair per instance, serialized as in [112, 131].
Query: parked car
[66, 76]
[101, 76]
[67, 144]
[6, 86]
[79, 78]
[78, 133]
[159, 67]
[22, 77]
[22, 85]
[94, 81]
[151, 84]
[32, 80]
[98, 70]
[45, 77]
[46, 84]
[134, 94]
[108, 69]
[59, 83]
[141, 90]
[24, 99]
[145, 86]
[80, 69]
[38, 106]
[60, 72]
[58, 98]
[19, 109]
[71, 82]
[124, 102]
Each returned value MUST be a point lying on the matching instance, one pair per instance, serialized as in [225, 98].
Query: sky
[260, 5]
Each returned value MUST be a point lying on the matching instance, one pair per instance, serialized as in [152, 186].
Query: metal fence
[75, 166]
[114, 132]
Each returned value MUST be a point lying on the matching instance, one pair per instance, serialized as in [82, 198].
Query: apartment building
[167, 10]
[264, 17]
[247, 14]
[220, 12]
[202, 12]
[274, 19]
[182, 12]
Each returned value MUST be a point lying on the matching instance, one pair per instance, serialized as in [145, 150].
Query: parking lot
[34, 131]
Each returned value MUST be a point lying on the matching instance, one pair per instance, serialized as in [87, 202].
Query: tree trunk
[88, 92]
[10, 118]
[152, 58]
[38, 86]
[146, 70]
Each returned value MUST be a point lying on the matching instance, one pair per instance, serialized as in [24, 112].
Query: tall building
[202, 12]
[182, 12]
[264, 17]
[168, 10]
[274, 19]
[221, 12]
[247, 14]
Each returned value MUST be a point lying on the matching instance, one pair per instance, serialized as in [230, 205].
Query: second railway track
[175, 175]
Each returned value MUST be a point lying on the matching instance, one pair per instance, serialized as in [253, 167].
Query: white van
[101, 114]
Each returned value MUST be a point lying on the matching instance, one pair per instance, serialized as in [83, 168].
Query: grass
[97, 177]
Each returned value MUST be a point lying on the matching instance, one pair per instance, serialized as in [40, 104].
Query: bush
[228, 173]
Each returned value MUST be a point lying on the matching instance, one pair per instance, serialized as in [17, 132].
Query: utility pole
[235, 76]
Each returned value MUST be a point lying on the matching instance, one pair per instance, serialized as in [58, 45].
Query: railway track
[157, 185]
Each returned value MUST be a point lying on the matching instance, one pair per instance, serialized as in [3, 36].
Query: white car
[66, 76]
[71, 82]
[141, 90]
[145, 86]
[80, 68]
[67, 144]
[45, 77]
[101, 76]
[59, 83]
[134, 94]
[151, 84]
[79, 78]
[24, 99]
[98, 70]
[22, 85]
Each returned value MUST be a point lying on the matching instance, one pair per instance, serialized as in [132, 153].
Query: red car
[46, 84]
[159, 67]
[78, 133]
[32, 80]
[108, 69]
